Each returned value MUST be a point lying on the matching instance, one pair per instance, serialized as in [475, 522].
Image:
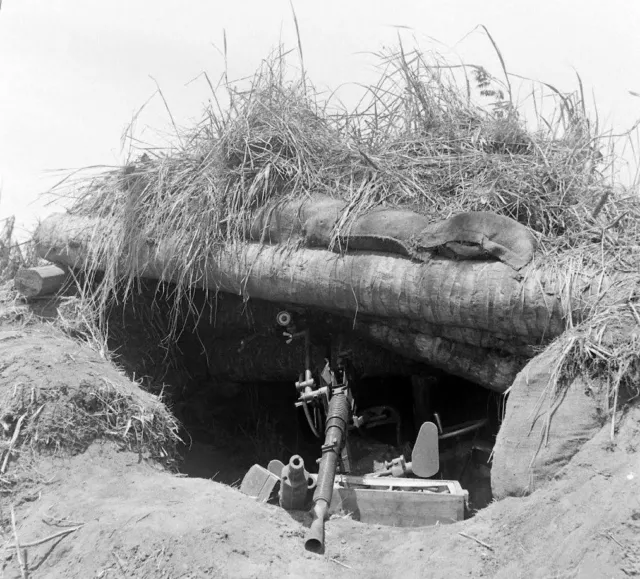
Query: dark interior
[231, 382]
[260, 423]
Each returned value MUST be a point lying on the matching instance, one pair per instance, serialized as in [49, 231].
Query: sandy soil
[134, 519]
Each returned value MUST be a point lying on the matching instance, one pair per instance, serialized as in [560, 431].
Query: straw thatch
[420, 140]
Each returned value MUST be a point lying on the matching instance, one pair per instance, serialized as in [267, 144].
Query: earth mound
[93, 493]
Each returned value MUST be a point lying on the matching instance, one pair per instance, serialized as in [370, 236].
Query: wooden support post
[421, 389]
[40, 281]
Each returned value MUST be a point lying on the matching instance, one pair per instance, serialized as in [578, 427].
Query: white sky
[73, 72]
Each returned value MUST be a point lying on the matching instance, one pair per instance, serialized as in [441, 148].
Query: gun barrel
[315, 538]
[335, 435]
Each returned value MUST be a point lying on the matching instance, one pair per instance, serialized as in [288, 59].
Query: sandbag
[384, 230]
[471, 235]
[490, 233]
[526, 454]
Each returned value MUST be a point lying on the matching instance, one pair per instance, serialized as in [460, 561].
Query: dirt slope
[141, 521]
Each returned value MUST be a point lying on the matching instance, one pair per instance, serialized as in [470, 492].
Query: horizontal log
[458, 316]
[40, 281]
[242, 345]
[485, 367]
[493, 341]
[487, 296]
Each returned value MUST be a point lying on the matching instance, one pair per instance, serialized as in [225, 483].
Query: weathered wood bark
[242, 343]
[483, 339]
[479, 365]
[40, 281]
[480, 298]
[482, 295]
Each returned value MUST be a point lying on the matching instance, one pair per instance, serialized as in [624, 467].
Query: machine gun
[329, 405]
[335, 438]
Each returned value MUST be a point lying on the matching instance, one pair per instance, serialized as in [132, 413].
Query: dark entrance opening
[258, 422]
[229, 378]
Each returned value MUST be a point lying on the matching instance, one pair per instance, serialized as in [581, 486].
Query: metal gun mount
[425, 456]
[314, 398]
[330, 410]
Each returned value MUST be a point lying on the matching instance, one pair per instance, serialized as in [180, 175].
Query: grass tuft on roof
[431, 136]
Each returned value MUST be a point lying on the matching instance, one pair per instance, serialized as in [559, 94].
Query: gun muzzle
[335, 436]
[315, 538]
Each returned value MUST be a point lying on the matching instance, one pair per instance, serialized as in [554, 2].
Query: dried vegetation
[39, 413]
[430, 136]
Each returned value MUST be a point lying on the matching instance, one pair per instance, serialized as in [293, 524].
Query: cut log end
[40, 281]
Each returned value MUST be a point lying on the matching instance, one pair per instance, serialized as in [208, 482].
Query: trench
[231, 384]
